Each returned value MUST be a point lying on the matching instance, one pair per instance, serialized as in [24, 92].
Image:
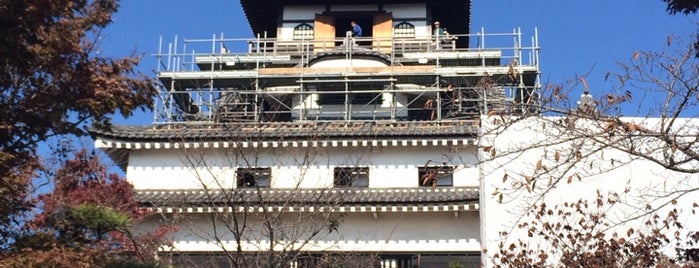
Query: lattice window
[303, 31]
[404, 30]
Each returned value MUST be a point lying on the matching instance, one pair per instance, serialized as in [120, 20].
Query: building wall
[634, 182]
[295, 15]
[293, 167]
[302, 12]
[415, 14]
[380, 111]
[173, 169]
[364, 232]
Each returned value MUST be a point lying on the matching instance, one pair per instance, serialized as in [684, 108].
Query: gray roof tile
[277, 131]
[294, 197]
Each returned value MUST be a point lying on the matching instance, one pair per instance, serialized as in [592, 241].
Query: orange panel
[383, 31]
[324, 31]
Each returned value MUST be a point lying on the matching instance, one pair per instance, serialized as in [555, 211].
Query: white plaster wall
[406, 10]
[286, 31]
[348, 63]
[294, 166]
[310, 101]
[337, 111]
[423, 31]
[171, 169]
[415, 14]
[307, 12]
[388, 232]
[297, 13]
[422, 28]
[637, 182]
[393, 167]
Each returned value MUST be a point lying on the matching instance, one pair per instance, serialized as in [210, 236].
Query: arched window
[404, 30]
[303, 31]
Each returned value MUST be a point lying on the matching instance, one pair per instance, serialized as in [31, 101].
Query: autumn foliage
[581, 234]
[56, 83]
[637, 218]
[86, 220]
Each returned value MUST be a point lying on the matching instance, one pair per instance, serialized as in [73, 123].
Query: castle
[310, 147]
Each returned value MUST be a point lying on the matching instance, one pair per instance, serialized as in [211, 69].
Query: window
[436, 176]
[470, 259]
[404, 30]
[367, 98]
[253, 177]
[303, 31]
[351, 177]
[356, 98]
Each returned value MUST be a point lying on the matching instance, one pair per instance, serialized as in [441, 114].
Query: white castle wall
[293, 167]
[637, 182]
[305, 12]
[326, 111]
[383, 232]
[415, 14]
[297, 13]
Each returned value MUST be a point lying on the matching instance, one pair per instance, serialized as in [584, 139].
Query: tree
[85, 221]
[54, 82]
[682, 6]
[261, 226]
[686, 7]
[581, 234]
[643, 169]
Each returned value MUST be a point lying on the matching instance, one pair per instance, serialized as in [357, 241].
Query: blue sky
[575, 36]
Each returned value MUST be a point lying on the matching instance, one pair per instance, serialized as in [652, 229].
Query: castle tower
[309, 146]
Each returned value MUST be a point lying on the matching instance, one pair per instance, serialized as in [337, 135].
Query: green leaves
[98, 218]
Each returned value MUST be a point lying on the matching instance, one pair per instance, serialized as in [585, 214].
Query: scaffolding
[262, 79]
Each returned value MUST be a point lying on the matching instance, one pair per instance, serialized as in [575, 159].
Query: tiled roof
[308, 197]
[291, 131]
[263, 15]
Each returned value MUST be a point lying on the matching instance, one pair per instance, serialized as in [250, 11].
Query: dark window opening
[355, 98]
[367, 98]
[254, 177]
[342, 24]
[436, 176]
[351, 177]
